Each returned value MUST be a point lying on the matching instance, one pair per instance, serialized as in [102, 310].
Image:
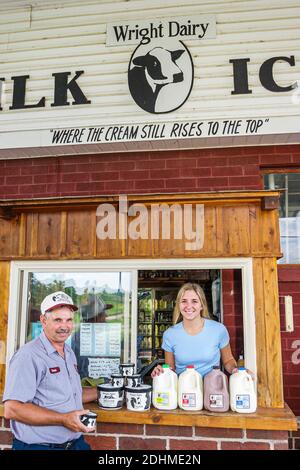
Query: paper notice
[102, 367]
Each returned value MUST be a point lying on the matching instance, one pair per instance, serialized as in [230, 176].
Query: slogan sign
[169, 130]
[142, 32]
[151, 131]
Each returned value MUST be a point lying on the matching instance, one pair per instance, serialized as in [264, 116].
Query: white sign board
[178, 130]
[135, 32]
[102, 367]
[100, 339]
[138, 73]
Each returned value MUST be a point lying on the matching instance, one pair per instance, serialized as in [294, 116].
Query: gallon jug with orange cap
[242, 392]
[164, 396]
[216, 393]
[190, 390]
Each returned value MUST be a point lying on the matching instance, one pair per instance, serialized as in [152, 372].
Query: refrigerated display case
[164, 304]
[155, 311]
[145, 314]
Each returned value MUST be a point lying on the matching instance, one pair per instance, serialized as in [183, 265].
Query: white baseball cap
[56, 300]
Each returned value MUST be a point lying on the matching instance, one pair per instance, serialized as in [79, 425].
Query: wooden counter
[265, 418]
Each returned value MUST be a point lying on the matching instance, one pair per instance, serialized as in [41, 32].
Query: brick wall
[294, 438]
[233, 308]
[111, 436]
[170, 171]
[5, 434]
[289, 284]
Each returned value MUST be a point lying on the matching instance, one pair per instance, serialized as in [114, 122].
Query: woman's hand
[157, 371]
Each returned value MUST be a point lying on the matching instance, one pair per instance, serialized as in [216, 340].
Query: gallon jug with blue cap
[242, 392]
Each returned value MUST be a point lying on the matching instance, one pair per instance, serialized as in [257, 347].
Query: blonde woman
[195, 338]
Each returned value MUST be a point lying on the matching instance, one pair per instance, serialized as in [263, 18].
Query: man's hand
[72, 421]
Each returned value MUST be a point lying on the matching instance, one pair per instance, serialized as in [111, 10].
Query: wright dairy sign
[142, 32]
[150, 80]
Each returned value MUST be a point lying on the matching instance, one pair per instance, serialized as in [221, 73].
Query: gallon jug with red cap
[190, 390]
[216, 393]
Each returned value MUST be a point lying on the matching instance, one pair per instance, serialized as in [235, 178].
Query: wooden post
[269, 362]
[4, 283]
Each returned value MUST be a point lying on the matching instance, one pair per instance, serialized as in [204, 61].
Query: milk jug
[190, 390]
[242, 392]
[216, 393]
[164, 395]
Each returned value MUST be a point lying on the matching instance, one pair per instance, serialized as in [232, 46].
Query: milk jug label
[162, 399]
[242, 402]
[216, 401]
[189, 399]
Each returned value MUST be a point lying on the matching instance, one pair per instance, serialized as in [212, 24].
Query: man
[43, 395]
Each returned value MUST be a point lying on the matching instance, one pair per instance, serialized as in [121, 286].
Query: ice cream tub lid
[141, 389]
[109, 388]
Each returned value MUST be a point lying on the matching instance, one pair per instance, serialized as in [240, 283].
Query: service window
[289, 213]
[124, 310]
[102, 335]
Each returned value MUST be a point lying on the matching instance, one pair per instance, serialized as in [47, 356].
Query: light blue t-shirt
[201, 350]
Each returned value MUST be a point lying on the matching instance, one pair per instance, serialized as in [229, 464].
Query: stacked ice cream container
[137, 394]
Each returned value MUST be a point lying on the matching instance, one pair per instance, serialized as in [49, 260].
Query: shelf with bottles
[145, 329]
[164, 304]
[163, 318]
[173, 275]
[146, 342]
[160, 329]
[144, 316]
[145, 354]
[160, 274]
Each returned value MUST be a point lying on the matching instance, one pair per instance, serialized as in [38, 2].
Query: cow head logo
[160, 76]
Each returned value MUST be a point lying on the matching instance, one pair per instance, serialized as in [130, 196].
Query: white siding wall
[43, 37]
